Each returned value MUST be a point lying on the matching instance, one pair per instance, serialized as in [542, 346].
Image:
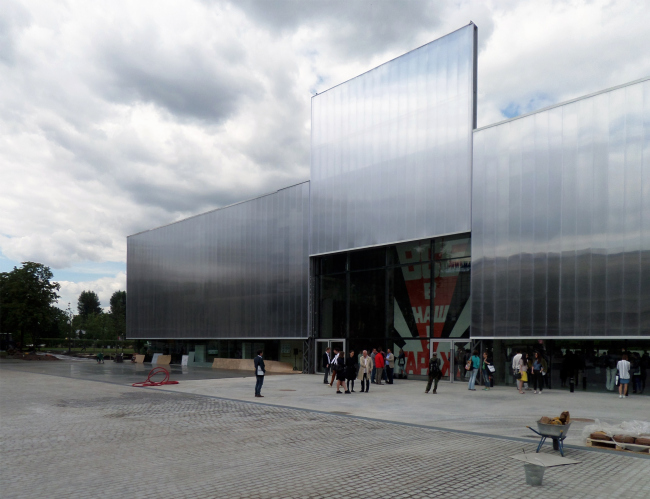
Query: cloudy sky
[120, 116]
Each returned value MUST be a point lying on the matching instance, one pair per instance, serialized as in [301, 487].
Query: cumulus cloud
[122, 116]
[104, 287]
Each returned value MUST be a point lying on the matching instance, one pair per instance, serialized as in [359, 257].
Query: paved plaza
[70, 431]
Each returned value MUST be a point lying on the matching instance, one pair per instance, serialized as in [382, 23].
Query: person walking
[623, 367]
[379, 367]
[350, 371]
[538, 371]
[523, 372]
[340, 372]
[435, 373]
[525, 357]
[487, 370]
[365, 371]
[260, 371]
[474, 363]
[326, 365]
[334, 365]
[390, 366]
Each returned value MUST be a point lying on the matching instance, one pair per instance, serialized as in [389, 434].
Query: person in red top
[379, 364]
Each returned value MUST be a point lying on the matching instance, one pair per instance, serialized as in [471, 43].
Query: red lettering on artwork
[410, 362]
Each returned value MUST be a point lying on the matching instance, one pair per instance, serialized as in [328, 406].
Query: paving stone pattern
[62, 437]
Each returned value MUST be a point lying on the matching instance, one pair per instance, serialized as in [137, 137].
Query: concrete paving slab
[499, 411]
[546, 460]
[64, 437]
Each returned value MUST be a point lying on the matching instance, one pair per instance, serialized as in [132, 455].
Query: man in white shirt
[623, 367]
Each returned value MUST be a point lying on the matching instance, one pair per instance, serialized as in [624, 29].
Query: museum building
[419, 232]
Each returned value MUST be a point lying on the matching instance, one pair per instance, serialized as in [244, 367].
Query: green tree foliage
[118, 314]
[59, 326]
[88, 304]
[98, 327]
[27, 298]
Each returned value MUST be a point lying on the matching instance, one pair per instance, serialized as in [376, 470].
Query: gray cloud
[14, 18]
[355, 29]
[186, 80]
[130, 115]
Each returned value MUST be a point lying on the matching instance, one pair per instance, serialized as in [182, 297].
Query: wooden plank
[605, 444]
[608, 444]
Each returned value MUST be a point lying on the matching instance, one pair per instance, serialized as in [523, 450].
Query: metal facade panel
[236, 272]
[391, 149]
[561, 220]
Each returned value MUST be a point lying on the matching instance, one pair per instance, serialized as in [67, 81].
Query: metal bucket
[534, 474]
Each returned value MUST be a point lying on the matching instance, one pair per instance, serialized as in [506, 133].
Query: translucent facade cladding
[391, 149]
[236, 272]
[561, 220]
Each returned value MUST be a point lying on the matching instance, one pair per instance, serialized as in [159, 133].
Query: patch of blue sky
[81, 272]
[89, 271]
[534, 103]
[6, 264]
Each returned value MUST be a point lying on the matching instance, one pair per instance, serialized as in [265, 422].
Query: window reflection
[367, 304]
[333, 316]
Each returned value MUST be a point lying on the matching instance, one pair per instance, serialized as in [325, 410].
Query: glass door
[462, 351]
[444, 351]
[321, 346]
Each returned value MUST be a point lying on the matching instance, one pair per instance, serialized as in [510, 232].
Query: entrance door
[462, 351]
[444, 351]
[321, 346]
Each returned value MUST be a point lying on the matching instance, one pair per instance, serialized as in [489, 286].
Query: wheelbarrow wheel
[556, 444]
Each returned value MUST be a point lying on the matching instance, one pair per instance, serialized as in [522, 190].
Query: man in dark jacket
[260, 371]
[326, 365]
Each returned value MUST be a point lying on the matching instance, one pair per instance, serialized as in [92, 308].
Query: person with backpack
[435, 373]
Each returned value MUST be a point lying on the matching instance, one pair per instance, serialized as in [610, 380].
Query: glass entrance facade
[399, 297]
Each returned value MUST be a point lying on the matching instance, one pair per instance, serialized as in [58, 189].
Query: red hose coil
[155, 371]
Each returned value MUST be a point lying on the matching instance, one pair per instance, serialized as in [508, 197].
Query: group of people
[528, 368]
[378, 368]
[369, 369]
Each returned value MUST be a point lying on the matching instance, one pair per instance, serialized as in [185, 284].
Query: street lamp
[70, 333]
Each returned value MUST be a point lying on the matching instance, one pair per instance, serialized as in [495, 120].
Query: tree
[98, 327]
[59, 327]
[88, 304]
[27, 298]
[118, 314]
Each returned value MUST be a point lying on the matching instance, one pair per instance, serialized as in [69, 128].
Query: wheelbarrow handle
[531, 429]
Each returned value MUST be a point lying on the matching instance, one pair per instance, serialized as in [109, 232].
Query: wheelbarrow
[556, 432]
